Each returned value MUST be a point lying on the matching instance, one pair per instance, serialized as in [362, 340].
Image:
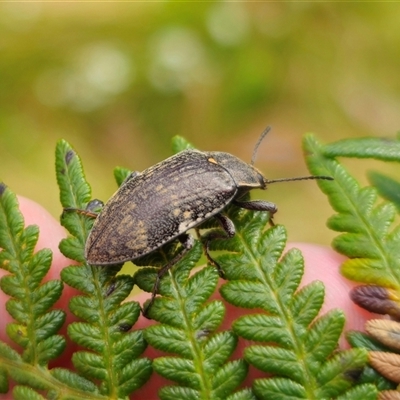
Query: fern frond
[387, 187]
[113, 359]
[295, 346]
[379, 148]
[365, 392]
[75, 194]
[120, 174]
[36, 326]
[187, 329]
[179, 143]
[367, 241]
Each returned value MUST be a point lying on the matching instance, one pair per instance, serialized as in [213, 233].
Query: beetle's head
[244, 175]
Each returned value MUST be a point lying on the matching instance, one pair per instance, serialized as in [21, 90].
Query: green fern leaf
[113, 357]
[378, 148]
[74, 190]
[74, 194]
[200, 366]
[301, 343]
[35, 327]
[73, 380]
[322, 336]
[179, 143]
[340, 372]
[120, 174]
[26, 393]
[387, 187]
[364, 392]
[309, 298]
[169, 338]
[3, 381]
[8, 357]
[6, 352]
[228, 378]
[279, 389]
[246, 394]
[178, 392]
[367, 241]
[362, 340]
[367, 238]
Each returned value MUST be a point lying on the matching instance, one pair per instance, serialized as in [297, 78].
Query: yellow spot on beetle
[127, 224]
[212, 160]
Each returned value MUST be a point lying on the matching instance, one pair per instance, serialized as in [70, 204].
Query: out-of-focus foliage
[120, 79]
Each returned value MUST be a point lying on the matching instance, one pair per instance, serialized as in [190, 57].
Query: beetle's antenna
[262, 136]
[300, 178]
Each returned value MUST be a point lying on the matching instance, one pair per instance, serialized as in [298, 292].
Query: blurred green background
[118, 80]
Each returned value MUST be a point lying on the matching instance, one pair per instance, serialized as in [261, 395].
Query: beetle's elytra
[166, 200]
[162, 203]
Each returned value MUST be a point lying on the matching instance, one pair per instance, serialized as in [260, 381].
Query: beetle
[163, 202]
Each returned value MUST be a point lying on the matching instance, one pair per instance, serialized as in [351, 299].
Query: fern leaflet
[367, 241]
[296, 346]
[113, 356]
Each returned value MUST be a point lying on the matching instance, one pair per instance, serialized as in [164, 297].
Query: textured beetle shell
[163, 202]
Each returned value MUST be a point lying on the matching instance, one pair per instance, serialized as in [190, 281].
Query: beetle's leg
[89, 211]
[259, 205]
[229, 231]
[187, 243]
[94, 205]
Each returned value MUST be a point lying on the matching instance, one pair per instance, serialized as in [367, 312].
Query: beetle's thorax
[244, 174]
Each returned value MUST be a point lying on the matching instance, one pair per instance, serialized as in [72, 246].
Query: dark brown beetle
[163, 202]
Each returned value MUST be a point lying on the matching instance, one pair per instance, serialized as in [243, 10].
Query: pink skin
[321, 262]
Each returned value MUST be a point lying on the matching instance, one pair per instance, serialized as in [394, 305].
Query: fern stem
[108, 353]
